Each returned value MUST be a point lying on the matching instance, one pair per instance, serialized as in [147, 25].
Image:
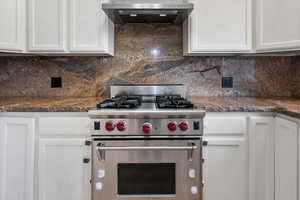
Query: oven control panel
[147, 126]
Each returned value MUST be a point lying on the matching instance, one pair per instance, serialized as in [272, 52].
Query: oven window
[146, 178]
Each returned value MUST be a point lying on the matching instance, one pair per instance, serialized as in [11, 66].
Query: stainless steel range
[147, 144]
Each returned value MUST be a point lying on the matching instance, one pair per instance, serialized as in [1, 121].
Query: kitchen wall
[148, 53]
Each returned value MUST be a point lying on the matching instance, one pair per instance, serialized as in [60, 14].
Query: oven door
[147, 169]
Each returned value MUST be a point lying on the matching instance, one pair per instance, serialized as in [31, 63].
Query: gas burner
[124, 102]
[174, 101]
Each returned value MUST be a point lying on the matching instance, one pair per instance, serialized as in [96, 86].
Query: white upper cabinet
[47, 25]
[12, 25]
[218, 26]
[17, 139]
[69, 26]
[90, 28]
[277, 25]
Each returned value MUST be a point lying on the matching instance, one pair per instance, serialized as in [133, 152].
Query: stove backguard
[147, 90]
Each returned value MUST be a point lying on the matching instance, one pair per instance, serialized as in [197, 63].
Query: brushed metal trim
[148, 6]
[146, 148]
[146, 114]
[182, 11]
[148, 90]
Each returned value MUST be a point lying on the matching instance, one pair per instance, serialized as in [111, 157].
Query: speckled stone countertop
[48, 104]
[287, 106]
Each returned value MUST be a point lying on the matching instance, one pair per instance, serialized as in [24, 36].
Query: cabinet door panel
[225, 169]
[213, 29]
[16, 158]
[277, 25]
[261, 151]
[46, 25]
[89, 26]
[286, 166]
[62, 173]
[11, 25]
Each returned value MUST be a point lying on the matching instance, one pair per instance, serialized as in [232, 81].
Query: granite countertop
[287, 106]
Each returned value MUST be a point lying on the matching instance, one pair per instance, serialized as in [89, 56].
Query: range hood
[147, 11]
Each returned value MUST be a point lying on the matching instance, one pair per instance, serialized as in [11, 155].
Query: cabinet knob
[86, 160]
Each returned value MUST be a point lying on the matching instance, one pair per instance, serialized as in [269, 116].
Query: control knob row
[183, 126]
[147, 127]
[110, 126]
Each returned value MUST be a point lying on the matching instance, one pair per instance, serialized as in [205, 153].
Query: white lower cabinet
[225, 170]
[62, 172]
[226, 159]
[254, 159]
[261, 158]
[17, 137]
[286, 160]
[273, 158]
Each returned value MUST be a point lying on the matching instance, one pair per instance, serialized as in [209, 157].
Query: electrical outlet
[227, 82]
[56, 82]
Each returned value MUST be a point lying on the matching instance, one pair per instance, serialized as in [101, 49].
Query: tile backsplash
[150, 53]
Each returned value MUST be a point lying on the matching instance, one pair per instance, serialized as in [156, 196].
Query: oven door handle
[147, 148]
[101, 149]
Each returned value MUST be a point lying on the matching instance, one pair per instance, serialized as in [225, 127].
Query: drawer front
[64, 126]
[225, 125]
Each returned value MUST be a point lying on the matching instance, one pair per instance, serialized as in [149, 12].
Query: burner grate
[178, 102]
[122, 102]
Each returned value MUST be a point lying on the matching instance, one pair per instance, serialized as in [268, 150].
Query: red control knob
[121, 126]
[183, 126]
[147, 127]
[110, 126]
[172, 126]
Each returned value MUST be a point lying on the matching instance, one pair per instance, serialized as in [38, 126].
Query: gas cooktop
[136, 102]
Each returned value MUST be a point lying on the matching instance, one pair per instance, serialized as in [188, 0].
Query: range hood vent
[147, 11]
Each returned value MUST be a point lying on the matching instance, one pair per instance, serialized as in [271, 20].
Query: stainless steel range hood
[147, 11]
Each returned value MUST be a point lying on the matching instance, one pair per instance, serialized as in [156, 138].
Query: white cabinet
[17, 138]
[62, 173]
[286, 160]
[218, 26]
[90, 28]
[12, 25]
[277, 25]
[47, 25]
[225, 169]
[69, 26]
[261, 161]
[226, 159]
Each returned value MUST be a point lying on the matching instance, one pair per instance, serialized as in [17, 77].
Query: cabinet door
[286, 148]
[62, 173]
[90, 28]
[261, 162]
[16, 158]
[218, 26]
[277, 25]
[12, 22]
[225, 169]
[47, 25]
